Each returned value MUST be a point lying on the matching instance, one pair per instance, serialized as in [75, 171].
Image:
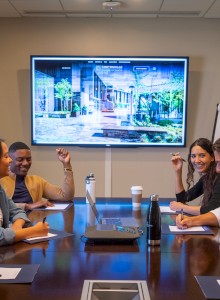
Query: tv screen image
[109, 101]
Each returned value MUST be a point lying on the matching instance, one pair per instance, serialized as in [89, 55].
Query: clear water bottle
[153, 222]
[90, 187]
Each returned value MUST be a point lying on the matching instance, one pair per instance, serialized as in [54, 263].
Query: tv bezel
[104, 144]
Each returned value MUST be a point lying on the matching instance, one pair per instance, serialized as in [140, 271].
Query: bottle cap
[154, 197]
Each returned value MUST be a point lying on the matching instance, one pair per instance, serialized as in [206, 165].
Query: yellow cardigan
[39, 188]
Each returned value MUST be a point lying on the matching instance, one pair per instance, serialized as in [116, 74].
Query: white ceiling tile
[186, 5]
[214, 11]
[7, 10]
[126, 5]
[94, 8]
[37, 5]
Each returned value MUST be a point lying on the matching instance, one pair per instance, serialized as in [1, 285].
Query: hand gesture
[177, 161]
[64, 156]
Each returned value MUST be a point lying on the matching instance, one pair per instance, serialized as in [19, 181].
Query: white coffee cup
[136, 194]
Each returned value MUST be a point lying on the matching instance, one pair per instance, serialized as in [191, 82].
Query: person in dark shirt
[201, 158]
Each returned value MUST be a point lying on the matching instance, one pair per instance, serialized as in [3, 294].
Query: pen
[44, 219]
[173, 154]
[182, 217]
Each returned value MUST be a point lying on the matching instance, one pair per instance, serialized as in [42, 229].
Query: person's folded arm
[192, 210]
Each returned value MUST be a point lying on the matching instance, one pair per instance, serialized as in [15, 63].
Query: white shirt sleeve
[216, 212]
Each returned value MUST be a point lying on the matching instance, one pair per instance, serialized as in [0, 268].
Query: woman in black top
[200, 159]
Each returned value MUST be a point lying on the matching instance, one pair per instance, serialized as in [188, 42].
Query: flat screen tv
[109, 101]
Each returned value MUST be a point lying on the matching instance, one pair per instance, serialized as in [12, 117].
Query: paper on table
[166, 209]
[49, 235]
[195, 228]
[218, 282]
[58, 206]
[9, 273]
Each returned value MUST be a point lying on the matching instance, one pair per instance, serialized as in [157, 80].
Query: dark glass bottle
[153, 222]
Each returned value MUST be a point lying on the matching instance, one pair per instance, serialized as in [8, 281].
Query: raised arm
[177, 163]
[68, 184]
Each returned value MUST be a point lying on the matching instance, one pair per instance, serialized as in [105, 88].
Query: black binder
[26, 275]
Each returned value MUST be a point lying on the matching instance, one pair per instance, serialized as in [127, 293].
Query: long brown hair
[210, 176]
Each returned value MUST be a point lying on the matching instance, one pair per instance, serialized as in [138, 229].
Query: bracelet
[67, 169]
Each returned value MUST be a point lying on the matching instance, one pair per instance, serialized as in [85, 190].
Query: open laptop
[124, 221]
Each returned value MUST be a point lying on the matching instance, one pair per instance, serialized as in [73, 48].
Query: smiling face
[200, 159]
[5, 161]
[21, 162]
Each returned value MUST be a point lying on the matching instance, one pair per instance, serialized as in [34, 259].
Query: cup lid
[137, 187]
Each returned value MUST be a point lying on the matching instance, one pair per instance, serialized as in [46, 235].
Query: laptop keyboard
[111, 221]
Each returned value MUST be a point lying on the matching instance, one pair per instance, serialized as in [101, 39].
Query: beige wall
[150, 167]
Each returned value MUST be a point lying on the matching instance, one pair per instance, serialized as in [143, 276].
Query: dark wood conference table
[66, 262]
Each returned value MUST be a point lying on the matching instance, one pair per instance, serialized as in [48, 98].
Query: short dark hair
[17, 146]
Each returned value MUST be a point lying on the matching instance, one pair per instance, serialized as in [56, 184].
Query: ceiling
[95, 8]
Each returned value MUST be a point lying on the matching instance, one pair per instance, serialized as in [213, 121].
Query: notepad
[52, 235]
[18, 273]
[9, 273]
[46, 237]
[167, 209]
[172, 229]
[194, 229]
[57, 206]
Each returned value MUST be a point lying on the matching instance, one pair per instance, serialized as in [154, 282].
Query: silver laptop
[124, 221]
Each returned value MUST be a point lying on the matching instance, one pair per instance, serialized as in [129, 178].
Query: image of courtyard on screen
[109, 101]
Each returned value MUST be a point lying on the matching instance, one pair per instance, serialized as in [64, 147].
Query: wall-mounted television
[109, 101]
